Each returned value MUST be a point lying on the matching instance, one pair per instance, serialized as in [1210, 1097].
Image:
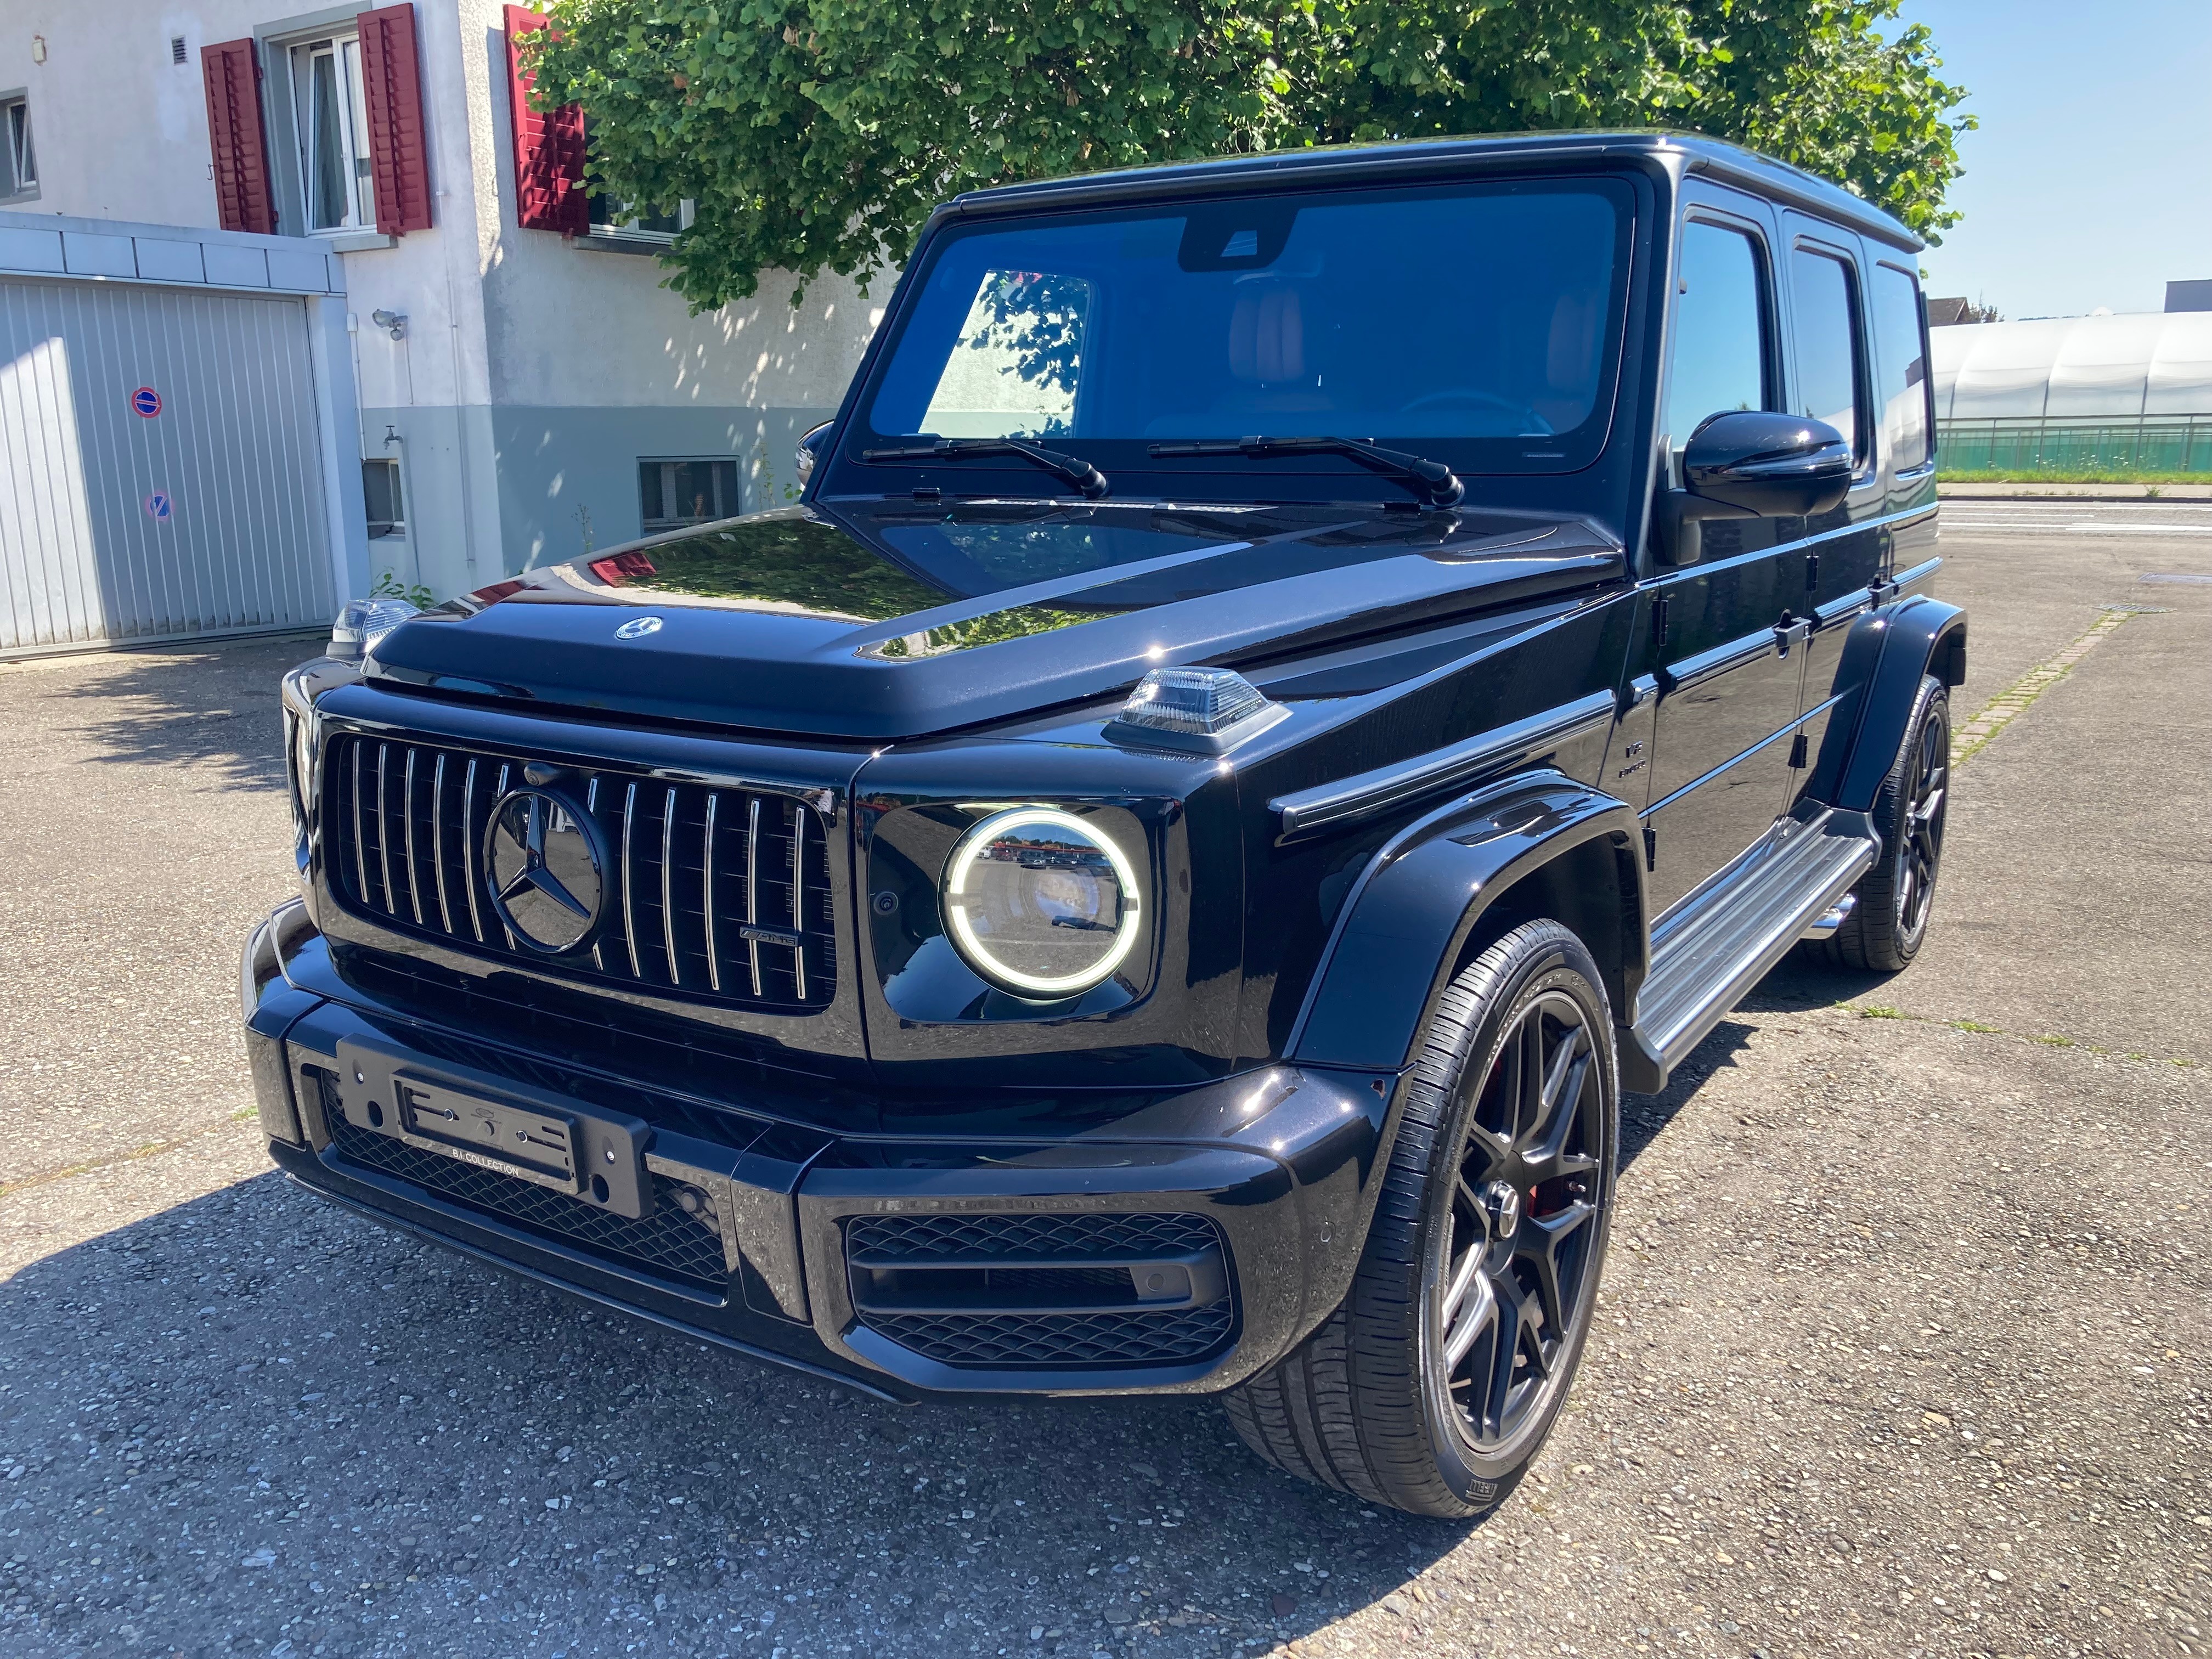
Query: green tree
[815, 135]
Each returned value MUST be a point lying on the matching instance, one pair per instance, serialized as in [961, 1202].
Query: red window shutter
[548, 147]
[398, 144]
[236, 139]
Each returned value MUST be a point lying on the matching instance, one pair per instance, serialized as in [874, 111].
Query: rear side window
[1829, 349]
[1720, 350]
[1904, 365]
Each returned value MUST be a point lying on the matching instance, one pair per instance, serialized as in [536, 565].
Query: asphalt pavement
[1904, 1348]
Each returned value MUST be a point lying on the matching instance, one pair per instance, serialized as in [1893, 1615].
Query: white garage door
[159, 472]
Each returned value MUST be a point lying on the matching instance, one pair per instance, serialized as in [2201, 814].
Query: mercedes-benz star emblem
[637, 627]
[544, 865]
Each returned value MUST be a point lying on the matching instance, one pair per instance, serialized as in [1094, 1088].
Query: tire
[1885, 929]
[1375, 1402]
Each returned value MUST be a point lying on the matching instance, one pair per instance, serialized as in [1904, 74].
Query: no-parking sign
[159, 506]
[146, 401]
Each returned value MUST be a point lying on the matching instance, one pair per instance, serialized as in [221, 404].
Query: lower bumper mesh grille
[1015, 1291]
[670, 1241]
[1009, 1340]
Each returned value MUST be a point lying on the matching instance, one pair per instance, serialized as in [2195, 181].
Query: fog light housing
[1207, 710]
[1041, 903]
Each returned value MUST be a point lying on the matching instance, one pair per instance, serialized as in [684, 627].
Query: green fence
[2154, 443]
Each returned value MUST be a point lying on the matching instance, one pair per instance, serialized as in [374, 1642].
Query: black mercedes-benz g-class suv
[1294, 681]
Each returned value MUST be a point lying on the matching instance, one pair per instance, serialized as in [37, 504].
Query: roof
[2149, 362]
[1676, 152]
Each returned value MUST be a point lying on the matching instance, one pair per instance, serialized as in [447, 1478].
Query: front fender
[1404, 926]
[1884, 659]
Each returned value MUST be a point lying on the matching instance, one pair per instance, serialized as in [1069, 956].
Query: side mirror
[1768, 465]
[811, 445]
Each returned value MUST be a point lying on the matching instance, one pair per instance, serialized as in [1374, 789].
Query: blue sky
[2090, 181]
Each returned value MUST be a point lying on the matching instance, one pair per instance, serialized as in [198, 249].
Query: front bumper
[1279, 1163]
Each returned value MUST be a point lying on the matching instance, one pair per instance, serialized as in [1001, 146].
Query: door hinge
[1660, 605]
[1812, 573]
[1650, 847]
[1798, 748]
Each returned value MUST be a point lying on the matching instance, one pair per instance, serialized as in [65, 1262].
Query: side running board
[1721, 941]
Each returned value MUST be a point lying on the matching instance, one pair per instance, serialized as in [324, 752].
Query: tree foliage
[815, 135]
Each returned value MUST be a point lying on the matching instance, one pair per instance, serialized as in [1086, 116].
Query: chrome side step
[1721, 941]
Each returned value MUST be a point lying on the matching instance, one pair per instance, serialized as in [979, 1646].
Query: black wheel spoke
[1495, 1387]
[1545, 1237]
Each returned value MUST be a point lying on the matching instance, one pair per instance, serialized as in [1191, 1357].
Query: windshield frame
[1136, 473]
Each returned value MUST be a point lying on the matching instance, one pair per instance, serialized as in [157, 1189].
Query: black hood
[888, 620]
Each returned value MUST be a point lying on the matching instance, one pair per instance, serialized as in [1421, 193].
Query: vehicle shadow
[214, 710]
[1797, 984]
[294, 1427]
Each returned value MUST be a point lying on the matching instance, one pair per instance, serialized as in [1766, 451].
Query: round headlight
[1041, 901]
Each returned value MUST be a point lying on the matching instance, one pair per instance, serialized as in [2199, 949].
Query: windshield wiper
[1432, 481]
[1071, 470]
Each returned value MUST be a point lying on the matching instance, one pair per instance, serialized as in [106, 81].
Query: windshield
[1478, 325]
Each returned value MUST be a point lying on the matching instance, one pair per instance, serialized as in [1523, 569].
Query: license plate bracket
[594, 1156]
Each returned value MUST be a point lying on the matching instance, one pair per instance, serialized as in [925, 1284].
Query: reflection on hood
[885, 619]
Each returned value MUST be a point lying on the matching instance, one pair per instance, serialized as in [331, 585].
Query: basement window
[675, 493]
[614, 223]
[380, 495]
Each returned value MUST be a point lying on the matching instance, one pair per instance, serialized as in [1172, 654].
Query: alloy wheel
[1921, 829]
[1518, 1249]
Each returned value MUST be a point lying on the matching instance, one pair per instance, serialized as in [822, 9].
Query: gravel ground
[1904, 1347]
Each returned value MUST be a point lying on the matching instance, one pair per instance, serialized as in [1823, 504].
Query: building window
[380, 495]
[612, 218]
[331, 126]
[19, 163]
[674, 493]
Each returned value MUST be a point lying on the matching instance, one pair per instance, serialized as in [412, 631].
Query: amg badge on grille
[545, 870]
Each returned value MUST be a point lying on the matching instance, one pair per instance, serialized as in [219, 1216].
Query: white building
[530, 391]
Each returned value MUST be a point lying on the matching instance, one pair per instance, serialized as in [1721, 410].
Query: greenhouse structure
[2102, 393]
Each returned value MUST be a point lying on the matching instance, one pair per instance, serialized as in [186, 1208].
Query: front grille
[720, 894]
[1015, 1291]
[670, 1241]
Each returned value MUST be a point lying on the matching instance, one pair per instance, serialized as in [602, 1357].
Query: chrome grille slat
[498, 795]
[798, 889]
[383, 828]
[752, 888]
[469, 847]
[706, 892]
[629, 860]
[438, 837]
[359, 845]
[592, 809]
[668, 888]
[407, 813]
[687, 867]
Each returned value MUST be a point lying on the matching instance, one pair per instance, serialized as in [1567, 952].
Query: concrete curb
[2032, 492]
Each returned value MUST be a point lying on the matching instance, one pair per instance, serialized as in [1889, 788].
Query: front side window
[330, 119]
[1826, 333]
[19, 162]
[1477, 324]
[674, 493]
[1718, 363]
[1904, 365]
